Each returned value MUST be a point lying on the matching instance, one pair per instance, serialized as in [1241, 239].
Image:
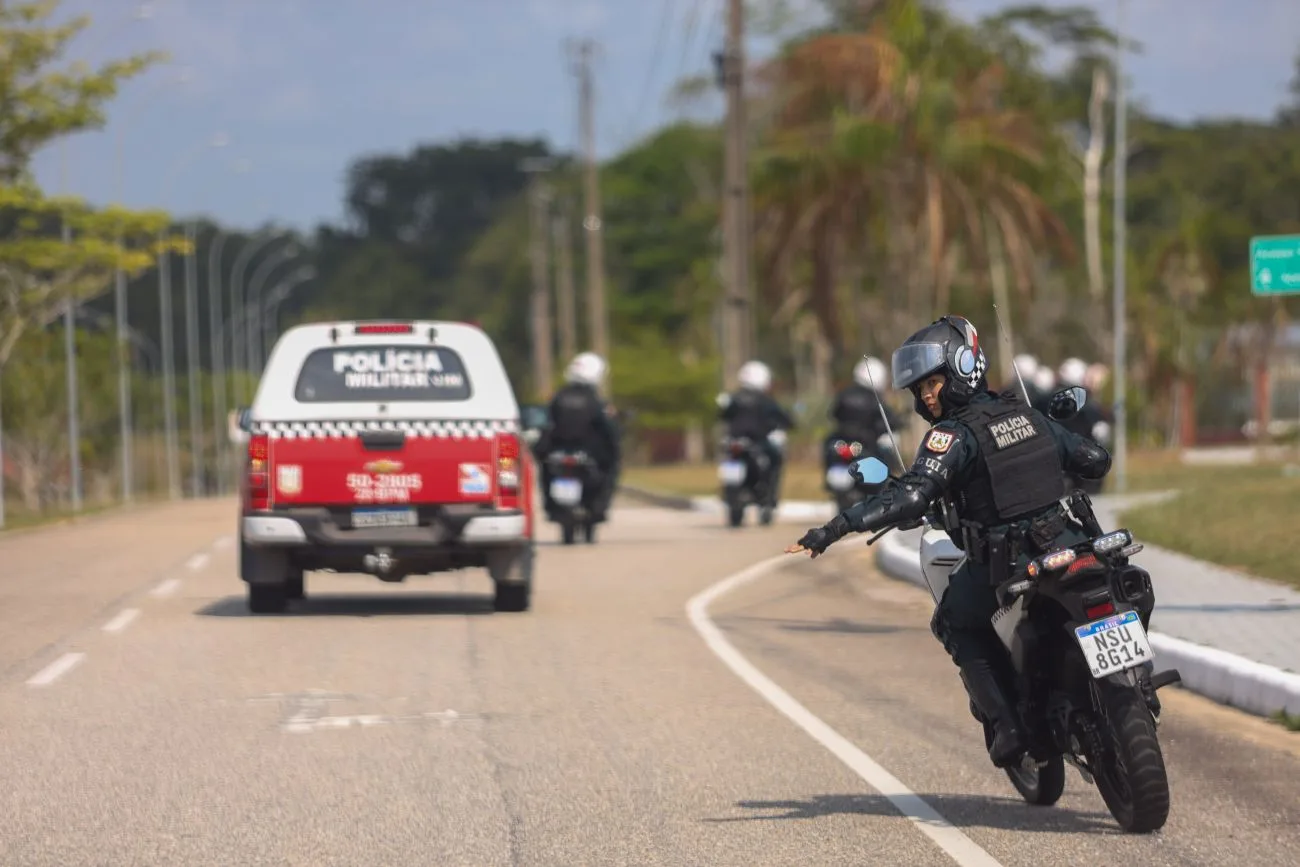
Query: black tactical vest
[574, 413]
[1018, 472]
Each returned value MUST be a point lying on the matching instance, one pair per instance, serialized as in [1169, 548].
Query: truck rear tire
[269, 576]
[267, 598]
[512, 574]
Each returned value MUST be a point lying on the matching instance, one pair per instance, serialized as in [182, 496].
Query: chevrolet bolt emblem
[383, 466]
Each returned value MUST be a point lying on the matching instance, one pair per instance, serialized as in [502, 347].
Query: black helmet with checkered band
[951, 346]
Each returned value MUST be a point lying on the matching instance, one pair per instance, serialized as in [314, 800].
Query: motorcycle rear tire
[569, 532]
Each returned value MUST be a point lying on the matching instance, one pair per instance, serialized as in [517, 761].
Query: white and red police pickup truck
[388, 448]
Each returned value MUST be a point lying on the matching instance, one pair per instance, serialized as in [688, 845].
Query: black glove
[818, 539]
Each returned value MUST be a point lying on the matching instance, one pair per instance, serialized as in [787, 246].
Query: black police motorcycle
[1074, 621]
[574, 483]
[745, 473]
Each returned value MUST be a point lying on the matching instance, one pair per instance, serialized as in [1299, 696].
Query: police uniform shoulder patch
[939, 441]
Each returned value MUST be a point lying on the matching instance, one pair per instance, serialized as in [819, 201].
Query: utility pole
[168, 366]
[564, 296]
[542, 332]
[737, 313]
[591, 223]
[1119, 313]
[74, 412]
[192, 360]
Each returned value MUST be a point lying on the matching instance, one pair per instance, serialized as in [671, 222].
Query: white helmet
[755, 375]
[1026, 364]
[587, 368]
[870, 373]
[1044, 379]
[1072, 371]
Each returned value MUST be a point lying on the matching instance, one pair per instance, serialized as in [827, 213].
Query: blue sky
[299, 88]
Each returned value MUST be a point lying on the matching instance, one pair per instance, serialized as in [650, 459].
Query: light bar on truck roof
[384, 328]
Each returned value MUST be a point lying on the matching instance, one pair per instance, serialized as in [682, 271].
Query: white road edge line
[197, 562]
[166, 588]
[957, 845]
[122, 620]
[223, 542]
[56, 669]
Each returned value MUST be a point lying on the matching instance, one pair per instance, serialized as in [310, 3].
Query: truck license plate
[384, 518]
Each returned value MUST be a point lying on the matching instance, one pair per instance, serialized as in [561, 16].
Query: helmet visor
[915, 361]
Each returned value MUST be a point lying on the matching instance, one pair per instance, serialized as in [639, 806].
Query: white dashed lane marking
[122, 620]
[56, 669]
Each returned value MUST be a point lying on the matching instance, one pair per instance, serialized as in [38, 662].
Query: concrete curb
[1216, 674]
[654, 498]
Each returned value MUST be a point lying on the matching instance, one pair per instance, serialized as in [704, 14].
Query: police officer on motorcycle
[581, 421]
[995, 468]
[856, 413]
[751, 412]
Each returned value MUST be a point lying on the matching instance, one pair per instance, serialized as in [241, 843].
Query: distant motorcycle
[574, 481]
[841, 454]
[746, 476]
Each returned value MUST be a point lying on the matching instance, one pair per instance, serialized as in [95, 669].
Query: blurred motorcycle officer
[751, 412]
[580, 421]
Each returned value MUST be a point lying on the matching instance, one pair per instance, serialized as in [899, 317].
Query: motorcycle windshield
[915, 361]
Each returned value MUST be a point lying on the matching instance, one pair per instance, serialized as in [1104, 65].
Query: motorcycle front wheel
[1131, 774]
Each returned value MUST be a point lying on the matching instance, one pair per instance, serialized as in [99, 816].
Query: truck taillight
[257, 482]
[508, 463]
[508, 470]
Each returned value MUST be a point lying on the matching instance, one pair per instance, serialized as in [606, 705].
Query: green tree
[38, 103]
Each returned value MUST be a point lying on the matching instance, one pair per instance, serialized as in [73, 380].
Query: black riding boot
[1008, 739]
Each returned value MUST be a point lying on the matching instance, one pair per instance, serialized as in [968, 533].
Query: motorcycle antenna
[884, 416]
[1006, 336]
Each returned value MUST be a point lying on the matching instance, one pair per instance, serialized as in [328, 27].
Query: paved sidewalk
[1207, 604]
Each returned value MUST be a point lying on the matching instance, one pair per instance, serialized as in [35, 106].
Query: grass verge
[21, 519]
[1244, 518]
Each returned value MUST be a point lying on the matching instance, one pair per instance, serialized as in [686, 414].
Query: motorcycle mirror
[869, 471]
[1066, 403]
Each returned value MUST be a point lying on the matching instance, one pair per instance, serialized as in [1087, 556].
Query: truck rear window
[382, 373]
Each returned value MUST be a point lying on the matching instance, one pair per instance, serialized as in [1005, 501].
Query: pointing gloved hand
[816, 540]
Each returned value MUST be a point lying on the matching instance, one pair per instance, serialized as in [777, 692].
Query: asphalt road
[409, 724]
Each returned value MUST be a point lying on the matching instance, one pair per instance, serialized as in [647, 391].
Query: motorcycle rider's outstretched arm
[945, 455]
[780, 418]
[1079, 455]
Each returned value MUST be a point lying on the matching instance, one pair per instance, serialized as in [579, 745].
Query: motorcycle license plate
[1114, 644]
[732, 472]
[566, 492]
[838, 478]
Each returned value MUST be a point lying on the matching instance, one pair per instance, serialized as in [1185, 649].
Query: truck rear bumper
[318, 528]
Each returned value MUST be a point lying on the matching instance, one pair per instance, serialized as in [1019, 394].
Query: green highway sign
[1275, 265]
